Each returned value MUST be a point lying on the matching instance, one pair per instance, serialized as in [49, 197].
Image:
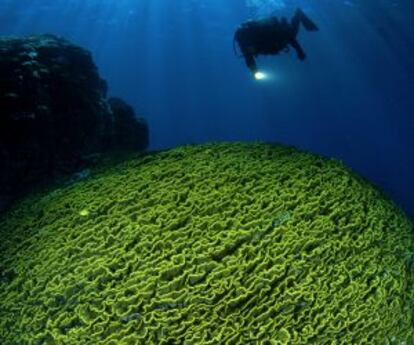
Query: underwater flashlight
[259, 76]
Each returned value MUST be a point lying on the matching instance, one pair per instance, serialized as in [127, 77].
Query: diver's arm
[295, 44]
[250, 62]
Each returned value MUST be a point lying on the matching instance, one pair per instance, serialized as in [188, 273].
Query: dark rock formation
[126, 126]
[54, 113]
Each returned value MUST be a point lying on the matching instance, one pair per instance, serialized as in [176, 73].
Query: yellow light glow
[259, 76]
[84, 213]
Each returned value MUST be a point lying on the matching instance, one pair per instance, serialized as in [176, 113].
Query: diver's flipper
[305, 21]
[301, 54]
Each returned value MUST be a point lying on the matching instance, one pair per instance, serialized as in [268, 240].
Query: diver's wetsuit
[270, 36]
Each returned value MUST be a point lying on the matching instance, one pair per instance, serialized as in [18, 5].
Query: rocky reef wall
[54, 113]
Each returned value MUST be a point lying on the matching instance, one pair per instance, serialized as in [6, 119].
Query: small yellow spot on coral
[84, 213]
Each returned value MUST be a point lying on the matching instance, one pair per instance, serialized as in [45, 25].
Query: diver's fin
[306, 21]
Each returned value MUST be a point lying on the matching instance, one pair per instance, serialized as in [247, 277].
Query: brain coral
[211, 244]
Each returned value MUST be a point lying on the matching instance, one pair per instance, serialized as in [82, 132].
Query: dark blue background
[173, 60]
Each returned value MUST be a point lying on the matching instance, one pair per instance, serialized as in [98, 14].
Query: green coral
[212, 244]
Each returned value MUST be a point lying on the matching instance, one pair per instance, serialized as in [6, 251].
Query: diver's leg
[295, 44]
[294, 24]
[302, 18]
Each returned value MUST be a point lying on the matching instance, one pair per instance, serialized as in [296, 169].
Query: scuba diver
[269, 36]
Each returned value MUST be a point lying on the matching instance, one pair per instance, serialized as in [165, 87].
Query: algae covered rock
[210, 244]
[53, 112]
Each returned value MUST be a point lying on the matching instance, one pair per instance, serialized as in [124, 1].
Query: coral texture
[211, 244]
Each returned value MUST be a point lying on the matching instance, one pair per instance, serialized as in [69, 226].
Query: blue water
[173, 60]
